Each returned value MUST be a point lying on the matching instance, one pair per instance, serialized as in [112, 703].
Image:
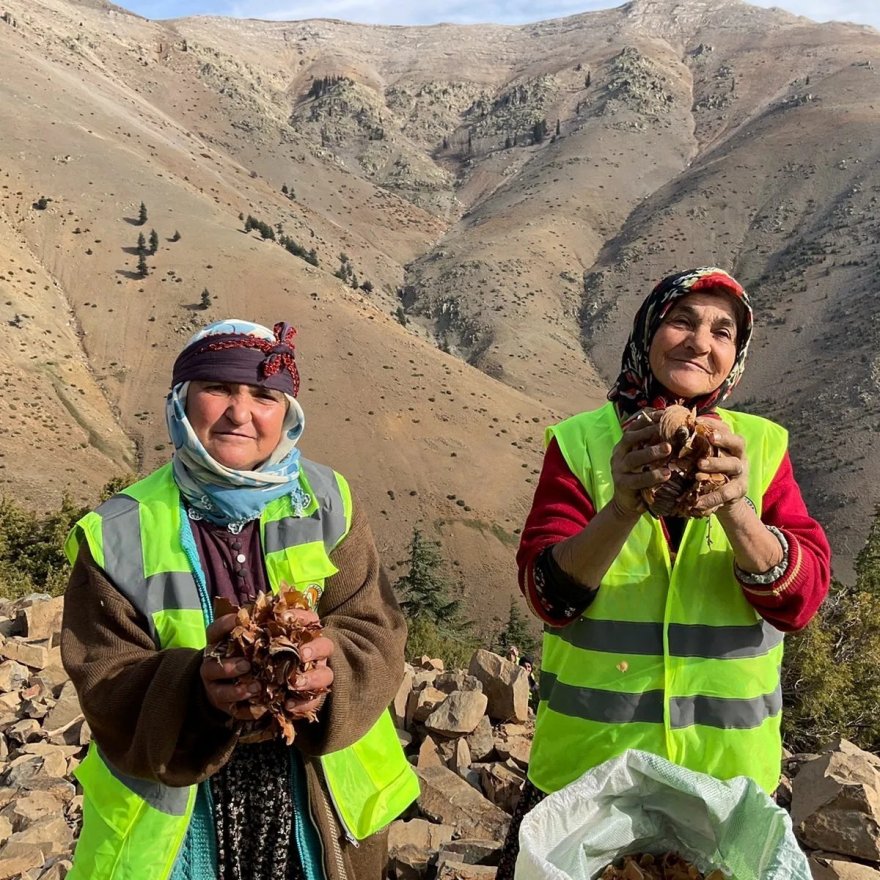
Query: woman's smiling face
[239, 425]
[694, 347]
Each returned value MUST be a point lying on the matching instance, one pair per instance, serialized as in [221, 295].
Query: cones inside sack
[644, 866]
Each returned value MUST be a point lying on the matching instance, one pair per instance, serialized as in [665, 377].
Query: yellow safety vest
[669, 658]
[133, 828]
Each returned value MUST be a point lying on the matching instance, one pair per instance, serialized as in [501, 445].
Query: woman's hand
[228, 683]
[637, 463]
[319, 676]
[733, 463]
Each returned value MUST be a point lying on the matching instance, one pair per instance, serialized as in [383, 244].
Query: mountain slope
[509, 193]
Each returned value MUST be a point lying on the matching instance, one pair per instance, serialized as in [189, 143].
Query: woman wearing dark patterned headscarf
[184, 780]
[664, 633]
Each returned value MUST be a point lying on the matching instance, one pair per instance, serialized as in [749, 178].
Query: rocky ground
[468, 734]
[503, 197]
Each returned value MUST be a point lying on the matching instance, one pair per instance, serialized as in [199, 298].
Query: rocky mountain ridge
[503, 197]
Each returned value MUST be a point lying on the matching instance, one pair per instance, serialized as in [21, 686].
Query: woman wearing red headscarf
[665, 633]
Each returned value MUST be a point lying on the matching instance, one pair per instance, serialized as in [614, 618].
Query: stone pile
[468, 735]
[43, 737]
[835, 810]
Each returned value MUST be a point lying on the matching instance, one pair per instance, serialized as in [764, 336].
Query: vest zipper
[332, 815]
[346, 831]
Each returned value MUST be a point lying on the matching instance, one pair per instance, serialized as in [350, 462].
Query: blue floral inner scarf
[225, 496]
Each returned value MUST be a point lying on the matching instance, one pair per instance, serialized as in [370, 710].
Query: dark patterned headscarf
[636, 387]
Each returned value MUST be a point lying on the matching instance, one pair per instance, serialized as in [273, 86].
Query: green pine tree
[516, 632]
[436, 627]
[424, 589]
[142, 214]
[142, 244]
[142, 269]
[154, 241]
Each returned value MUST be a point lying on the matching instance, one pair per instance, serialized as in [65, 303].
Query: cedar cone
[686, 485]
[644, 866]
[270, 637]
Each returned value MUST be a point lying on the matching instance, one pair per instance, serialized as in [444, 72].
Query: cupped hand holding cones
[266, 664]
[675, 463]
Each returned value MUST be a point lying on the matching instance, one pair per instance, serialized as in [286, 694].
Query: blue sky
[463, 11]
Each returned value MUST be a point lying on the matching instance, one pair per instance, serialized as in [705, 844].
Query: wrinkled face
[694, 348]
[239, 425]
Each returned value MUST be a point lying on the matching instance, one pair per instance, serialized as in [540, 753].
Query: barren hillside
[503, 197]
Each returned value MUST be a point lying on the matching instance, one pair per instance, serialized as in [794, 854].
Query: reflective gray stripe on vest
[615, 707]
[164, 798]
[592, 704]
[726, 712]
[685, 640]
[326, 524]
[124, 565]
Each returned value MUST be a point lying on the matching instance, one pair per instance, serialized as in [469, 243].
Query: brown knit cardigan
[148, 710]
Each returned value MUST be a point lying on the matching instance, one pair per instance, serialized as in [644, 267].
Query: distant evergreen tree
[142, 268]
[176, 236]
[154, 241]
[142, 244]
[423, 588]
[345, 272]
[516, 632]
[557, 128]
[205, 300]
[142, 214]
[539, 131]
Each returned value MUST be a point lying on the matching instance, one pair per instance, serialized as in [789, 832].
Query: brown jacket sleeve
[147, 708]
[361, 616]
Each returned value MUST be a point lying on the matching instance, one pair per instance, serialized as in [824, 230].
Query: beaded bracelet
[771, 575]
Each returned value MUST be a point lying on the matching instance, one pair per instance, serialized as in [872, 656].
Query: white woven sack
[640, 802]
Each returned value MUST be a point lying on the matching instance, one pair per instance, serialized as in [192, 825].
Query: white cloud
[389, 12]
[858, 11]
[410, 12]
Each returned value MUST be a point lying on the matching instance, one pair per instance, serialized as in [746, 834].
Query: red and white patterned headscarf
[636, 386]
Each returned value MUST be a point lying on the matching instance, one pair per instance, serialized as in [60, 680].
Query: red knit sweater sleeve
[561, 508]
[790, 601]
